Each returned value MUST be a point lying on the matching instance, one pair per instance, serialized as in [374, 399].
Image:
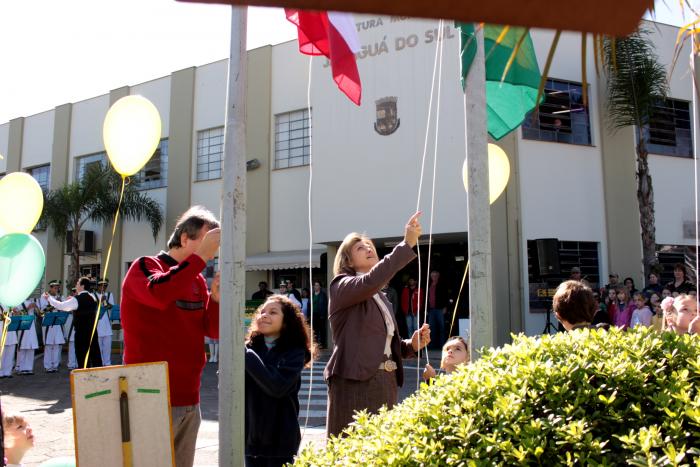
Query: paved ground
[45, 400]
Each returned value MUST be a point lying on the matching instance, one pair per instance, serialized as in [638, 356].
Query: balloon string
[5, 325]
[461, 287]
[109, 253]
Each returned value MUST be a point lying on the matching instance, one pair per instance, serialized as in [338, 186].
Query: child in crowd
[278, 347]
[641, 316]
[665, 292]
[17, 438]
[455, 352]
[611, 303]
[625, 307]
[686, 312]
[669, 314]
[657, 321]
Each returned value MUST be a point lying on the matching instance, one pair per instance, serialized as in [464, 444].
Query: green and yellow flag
[509, 99]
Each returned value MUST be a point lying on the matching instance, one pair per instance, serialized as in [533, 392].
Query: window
[41, 175]
[82, 164]
[668, 132]
[292, 139]
[583, 255]
[562, 117]
[210, 149]
[155, 173]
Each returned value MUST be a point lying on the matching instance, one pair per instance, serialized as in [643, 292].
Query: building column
[14, 146]
[505, 242]
[55, 253]
[114, 274]
[180, 146]
[619, 161]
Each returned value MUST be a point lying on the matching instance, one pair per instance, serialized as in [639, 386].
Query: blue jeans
[436, 321]
[411, 324]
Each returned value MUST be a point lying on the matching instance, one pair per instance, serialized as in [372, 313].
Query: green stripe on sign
[98, 393]
[148, 391]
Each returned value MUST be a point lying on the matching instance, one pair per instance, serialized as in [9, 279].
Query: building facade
[572, 179]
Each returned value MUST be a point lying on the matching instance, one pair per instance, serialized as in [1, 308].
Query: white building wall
[87, 118]
[4, 142]
[158, 92]
[37, 142]
[142, 231]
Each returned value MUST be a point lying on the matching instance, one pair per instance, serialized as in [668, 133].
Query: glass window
[292, 139]
[562, 117]
[41, 175]
[155, 173]
[669, 132]
[210, 150]
[83, 163]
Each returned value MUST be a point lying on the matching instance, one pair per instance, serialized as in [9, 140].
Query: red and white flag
[333, 35]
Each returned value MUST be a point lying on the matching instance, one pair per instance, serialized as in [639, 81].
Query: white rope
[311, 302]
[432, 199]
[695, 172]
[420, 188]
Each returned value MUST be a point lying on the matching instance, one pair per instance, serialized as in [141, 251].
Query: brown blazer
[357, 324]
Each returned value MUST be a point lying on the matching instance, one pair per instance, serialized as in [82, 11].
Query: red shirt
[166, 311]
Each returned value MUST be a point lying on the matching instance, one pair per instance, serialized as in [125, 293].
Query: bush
[580, 398]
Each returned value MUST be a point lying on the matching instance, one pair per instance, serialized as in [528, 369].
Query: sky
[54, 52]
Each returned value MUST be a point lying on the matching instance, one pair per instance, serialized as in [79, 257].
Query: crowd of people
[76, 331]
[167, 310]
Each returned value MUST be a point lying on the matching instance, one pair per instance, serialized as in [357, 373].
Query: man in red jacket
[166, 312]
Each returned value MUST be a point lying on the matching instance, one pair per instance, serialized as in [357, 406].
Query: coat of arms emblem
[387, 118]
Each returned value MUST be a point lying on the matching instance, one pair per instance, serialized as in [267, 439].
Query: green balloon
[22, 264]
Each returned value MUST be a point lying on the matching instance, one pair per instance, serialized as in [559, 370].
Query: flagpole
[232, 256]
[481, 327]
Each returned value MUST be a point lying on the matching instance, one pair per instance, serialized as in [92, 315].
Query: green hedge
[581, 398]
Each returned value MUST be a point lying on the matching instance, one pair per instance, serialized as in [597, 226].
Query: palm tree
[636, 84]
[95, 197]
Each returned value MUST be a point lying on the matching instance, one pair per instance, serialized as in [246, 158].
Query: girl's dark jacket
[272, 381]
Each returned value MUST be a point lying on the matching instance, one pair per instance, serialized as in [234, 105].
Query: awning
[284, 259]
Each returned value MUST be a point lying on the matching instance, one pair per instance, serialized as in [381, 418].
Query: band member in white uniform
[53, 335]
[30, 340]
[104, 325]
[8, 354]
[69, 334]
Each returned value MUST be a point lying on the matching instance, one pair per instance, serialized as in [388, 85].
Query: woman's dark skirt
[346, 396]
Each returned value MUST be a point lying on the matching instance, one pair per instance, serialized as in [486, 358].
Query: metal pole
[481, 330]
[232, 257]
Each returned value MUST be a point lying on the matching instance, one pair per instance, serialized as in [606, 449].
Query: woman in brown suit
[365, 369]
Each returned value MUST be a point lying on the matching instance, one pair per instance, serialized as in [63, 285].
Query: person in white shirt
[8, 354]
[69, 334]
[286, 293]
[104, 325]
[53, 335]
[29, 339]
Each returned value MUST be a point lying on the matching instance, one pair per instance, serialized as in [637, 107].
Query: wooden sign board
[97, 421]
[617, 18]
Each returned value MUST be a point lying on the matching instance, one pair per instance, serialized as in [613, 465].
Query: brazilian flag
[509, 100]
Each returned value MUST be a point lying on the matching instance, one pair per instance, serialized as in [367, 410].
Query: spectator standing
[411, 298]
[575, 274]
[293, 291]
[642, 315]
[393, 297]
[680, 284]
[284, 290]
[320, 314]
[600, 316]
[629, 283]
[652, 286]
[262, 293]
[437, 307]
[305, 302]
[613, 281]
[166, 312]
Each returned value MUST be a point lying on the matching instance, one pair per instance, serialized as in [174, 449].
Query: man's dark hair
[190, 223]
[262, 283]
[86, 282]
[573, 302]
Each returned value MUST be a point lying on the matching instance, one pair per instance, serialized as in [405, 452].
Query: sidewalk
[46, 402]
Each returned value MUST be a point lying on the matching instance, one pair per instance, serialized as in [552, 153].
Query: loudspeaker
[548, 256]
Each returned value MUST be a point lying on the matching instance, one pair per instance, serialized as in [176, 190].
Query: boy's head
[454, 352]
[573, 303]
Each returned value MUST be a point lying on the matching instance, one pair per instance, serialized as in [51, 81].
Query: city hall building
[572, 179]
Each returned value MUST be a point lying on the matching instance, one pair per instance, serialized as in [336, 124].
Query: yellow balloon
[499, 172]
[131, 133]
[21, 203]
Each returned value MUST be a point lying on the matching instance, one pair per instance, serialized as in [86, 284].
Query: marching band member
[53, 335]
[104, 325]
[8, 355]
[29, 339]
[69, 334]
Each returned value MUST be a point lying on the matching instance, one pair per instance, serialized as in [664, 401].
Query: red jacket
[166, 311]
[418, 297]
